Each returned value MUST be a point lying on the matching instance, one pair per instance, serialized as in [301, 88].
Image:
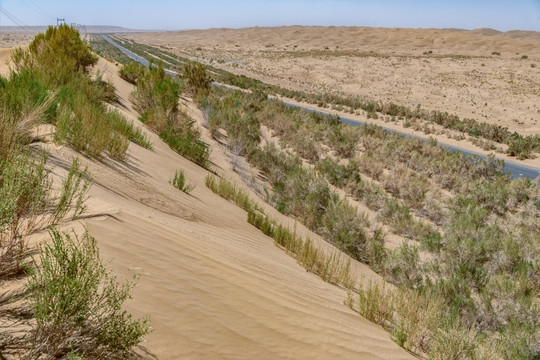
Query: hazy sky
[193, 14]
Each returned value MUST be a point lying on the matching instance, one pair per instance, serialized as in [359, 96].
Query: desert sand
[462, 75]
[213, 285]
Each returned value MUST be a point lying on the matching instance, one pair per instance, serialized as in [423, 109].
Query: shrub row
[331, 267]
[156, 98]
[74, 300]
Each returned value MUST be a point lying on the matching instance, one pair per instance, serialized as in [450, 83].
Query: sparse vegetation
[104, 49]
[466, 278]
[487, 131]
[400, 198]
[332, 267]
[77, 303]
[73, 310]
[179, 182]
[156, 99]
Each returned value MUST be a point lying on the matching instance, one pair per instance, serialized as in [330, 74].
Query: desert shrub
[403, 266]
[58, 48]
[122, 126]
[522, 147]
[303, 195]
[376, 253]
[156, 99]
[131, 72]
[304, 145]
[343, 226]
[57, 64]
[77, 303]
[492, 195]
[93, 130]
[179, 182]
[399, 218]
[230, 191]
[519, 191]
[261, 222]
[72, 194]
[337, 174]
[233, 112]
[374, 303]
[456, 342]
[157, 94]
[369, 193]
[343, 139]
[189, 146]
[197, 80]
[24, 196]
[407, 185]
[370, 166]
[433, 208]
[273, 163]
[331, 266]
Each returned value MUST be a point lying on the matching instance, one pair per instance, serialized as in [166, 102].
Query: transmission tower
[60, 21]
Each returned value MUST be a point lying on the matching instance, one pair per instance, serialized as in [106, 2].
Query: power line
[31, 5]
[13, 18]
[41, 10]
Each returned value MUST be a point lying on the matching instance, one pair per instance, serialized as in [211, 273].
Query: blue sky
[193, 14]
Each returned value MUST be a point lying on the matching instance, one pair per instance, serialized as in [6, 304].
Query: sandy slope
[213, 285]
[385, 64]
[5, 55]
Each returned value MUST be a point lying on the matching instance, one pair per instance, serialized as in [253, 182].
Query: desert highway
[515, 169]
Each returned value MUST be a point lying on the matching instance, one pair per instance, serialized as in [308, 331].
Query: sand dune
[474, 42]
[213, 285]
[5, 56]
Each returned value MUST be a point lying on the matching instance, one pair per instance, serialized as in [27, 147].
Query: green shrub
[337, 174]
[121, 125]
[24, 196]
[343, 226]
[261, 222]
[156, 98]
[230, 191]
[403, 266]
[59, 47]
[521, 147]
[77, 303]
[189, 146]
[197, 80]
[73, 193]
[179, 182]
[131, 72]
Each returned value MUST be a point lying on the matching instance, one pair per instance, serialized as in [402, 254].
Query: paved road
[515, 169]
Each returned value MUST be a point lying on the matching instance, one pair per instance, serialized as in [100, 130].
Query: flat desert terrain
[482, 74]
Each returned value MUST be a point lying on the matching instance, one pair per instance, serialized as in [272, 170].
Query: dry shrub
[370, 166]
[77, 303]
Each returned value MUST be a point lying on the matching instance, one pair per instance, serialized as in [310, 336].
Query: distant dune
[470, 42]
